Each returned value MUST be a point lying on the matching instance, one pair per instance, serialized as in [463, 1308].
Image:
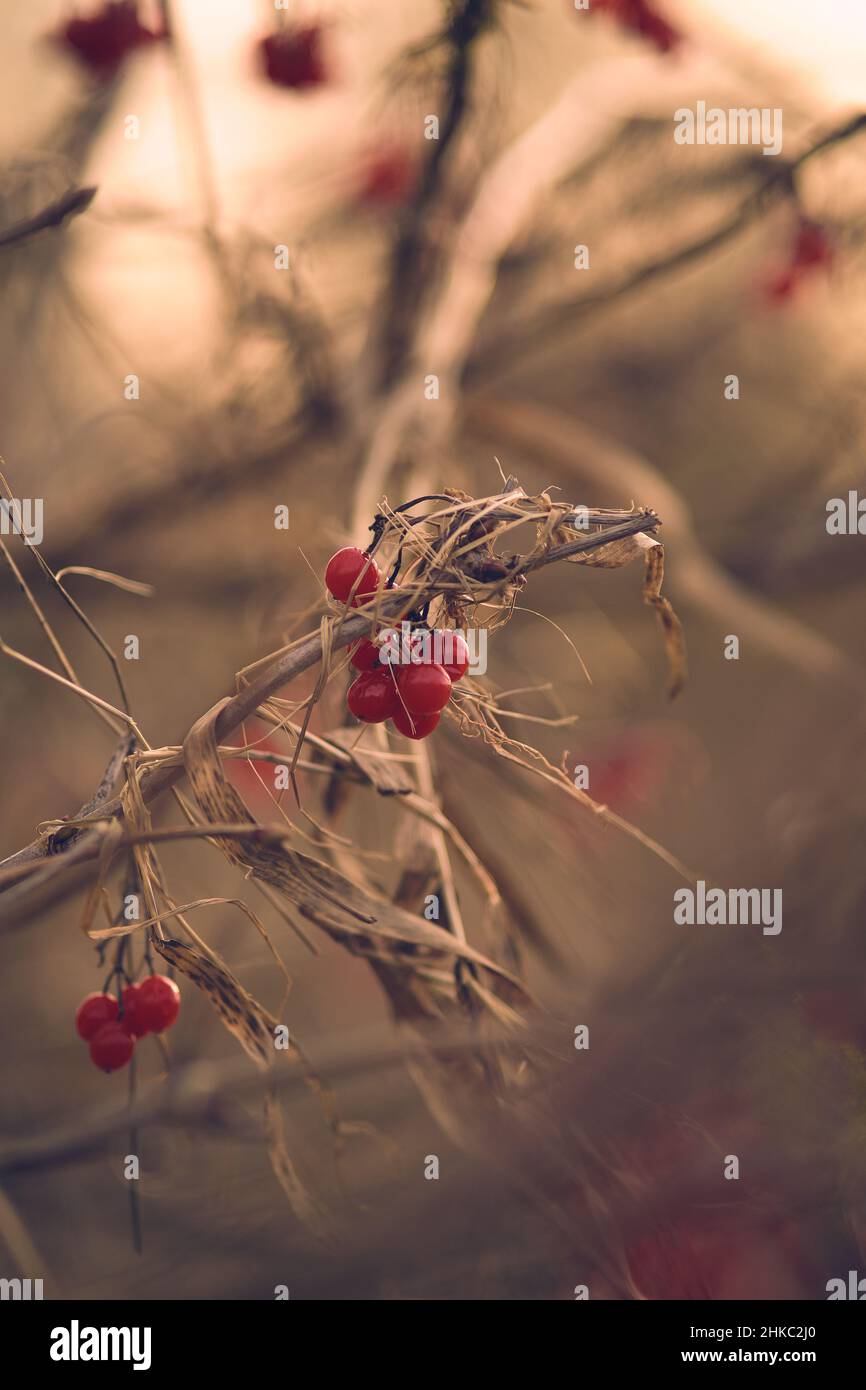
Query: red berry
[373, 696]
[158, 1003]
[452, 646]
[641, 18]
[364, 656]
[782, 286]
[134, 1019]
[414, 725]
[112, 1047]
[388, 177]
[351, 568]
[293, 57]
[812, 246]
[424, 689]
[102, 40]
[94, 1011]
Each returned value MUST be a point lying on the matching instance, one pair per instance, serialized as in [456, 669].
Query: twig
[84, 844]
[78, 200]
[538, 335]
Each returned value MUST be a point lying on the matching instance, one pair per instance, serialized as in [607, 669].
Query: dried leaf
[242, 1015]
[672, 628]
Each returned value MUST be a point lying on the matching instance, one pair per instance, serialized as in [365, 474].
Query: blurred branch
[78, 200]
[586, 453]
[410, 276]
[538, 334]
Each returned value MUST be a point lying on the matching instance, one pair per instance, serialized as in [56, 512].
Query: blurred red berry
[293, 57]
[811, 250]
[364, 656]
[101, 41]
[373, 697]
[94, 1011]
[388, 177]
[643, 19]
[812, 246]
[424, 689]
[112, 1047]
[782, 286]
[415, 726]
[345, 568]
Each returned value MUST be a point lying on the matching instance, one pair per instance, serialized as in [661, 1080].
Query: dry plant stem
[589, 455]
[539, 335]
[78, 200]
[192, 1095]
[410, 278]
[84, 844]
[70, 603]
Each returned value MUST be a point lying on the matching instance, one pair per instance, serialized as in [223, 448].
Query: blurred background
[296, 378]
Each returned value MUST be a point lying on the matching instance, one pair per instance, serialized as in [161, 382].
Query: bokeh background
[262, 387]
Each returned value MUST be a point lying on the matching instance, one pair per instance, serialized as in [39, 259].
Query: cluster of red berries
[291, 56]
[111, 1027]
[101, 41]
[411, 692]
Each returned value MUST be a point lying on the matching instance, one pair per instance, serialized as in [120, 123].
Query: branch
[538, 334]
[82, 845]
[54, 215]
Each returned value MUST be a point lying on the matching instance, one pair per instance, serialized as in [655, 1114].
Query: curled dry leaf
[621, 552]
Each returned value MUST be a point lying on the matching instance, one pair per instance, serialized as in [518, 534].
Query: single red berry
[112, 1047]
[388, 177]
[158, 1003]
[364, 656]
[94, 1011]
[643, 19]
[414, 725]
[812, 246]
[453, 653]
[424, 689]
[350, 568]
[103, 40]
[293, 57]
[373, 696]
[782, 286]
[133, 1018]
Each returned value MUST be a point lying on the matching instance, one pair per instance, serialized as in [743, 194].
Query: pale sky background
[824, 39]
[276, 154]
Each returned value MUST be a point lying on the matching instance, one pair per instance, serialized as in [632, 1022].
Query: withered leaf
[242, 1015]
